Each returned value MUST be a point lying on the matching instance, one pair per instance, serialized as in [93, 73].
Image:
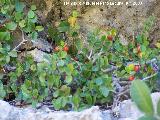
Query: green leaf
[33, 7]
[139, 39]
[33, 20]
[54, 66]
[65, 90]
[71, 67]
[34, 35]
[103, 38]
[13, 54]
[52, 32]
[27, 84]
[11, 26]
[79, 44]
[50, 80]
[64, 26]
[140, 94]
[147, 118]
[7, 59]
[69, 79]
[75, 13]
[35, 93]
[57, 103]
[99, 81]
[42, 78]
[19, 6]
[34, 103]
[95, 68]
[5, 36]
[64, 101]
[39, 28]
[62, 54]
[1, 76]
[33, 67]
[76, 101]
[60, 63]
[158, 108]
[2, 93]
[31, 14]
[22, 23]
[104, 91]
[56, 94]
[89, 99]
[25, 92]
[18, 16]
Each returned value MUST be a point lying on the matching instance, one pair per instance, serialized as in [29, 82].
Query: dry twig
[22, 42]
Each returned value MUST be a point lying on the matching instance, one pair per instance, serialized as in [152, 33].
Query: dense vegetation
[79, 73]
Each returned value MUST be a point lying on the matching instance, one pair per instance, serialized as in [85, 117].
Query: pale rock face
[38, 55]
[42, 45]
[127, 19]
[5, 110]
[127, 110]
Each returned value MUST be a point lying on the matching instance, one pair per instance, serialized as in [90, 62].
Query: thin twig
[90, 55]
[151, 61]
[123, 92]
[113, 68]
[109, 69]
[78, 63]
[22, 42]
[97, 56]
[149, 77]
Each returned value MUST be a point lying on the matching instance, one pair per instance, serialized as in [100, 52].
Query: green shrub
[76, 78]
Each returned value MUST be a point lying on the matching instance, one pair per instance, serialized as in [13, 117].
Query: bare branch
[109, 69]
[22, 42]
[149, 77]
[90, 55]
[123, 92]
[97, 56]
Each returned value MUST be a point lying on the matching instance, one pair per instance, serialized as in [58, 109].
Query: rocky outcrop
[38, 55]
[128, 19]
[127, 110]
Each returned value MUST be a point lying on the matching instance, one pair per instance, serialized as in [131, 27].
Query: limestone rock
[127, 109]
[38, 55]
[12, 113]
[5, 110]
[43, 45]
[127, 19]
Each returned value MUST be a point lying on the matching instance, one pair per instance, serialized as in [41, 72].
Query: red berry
[109, 37]
[56, 48]
[66, 48]
[131, 78]
[136, 68]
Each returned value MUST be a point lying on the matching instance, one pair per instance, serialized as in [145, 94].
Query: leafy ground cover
[76, 75]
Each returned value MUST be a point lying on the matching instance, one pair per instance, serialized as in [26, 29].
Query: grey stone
[127, 110]
[127, 19]
[42, 45]
[5, 110]
[38, 55]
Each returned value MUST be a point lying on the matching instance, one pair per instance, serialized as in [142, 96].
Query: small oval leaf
[140, 94]
[11, 26]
